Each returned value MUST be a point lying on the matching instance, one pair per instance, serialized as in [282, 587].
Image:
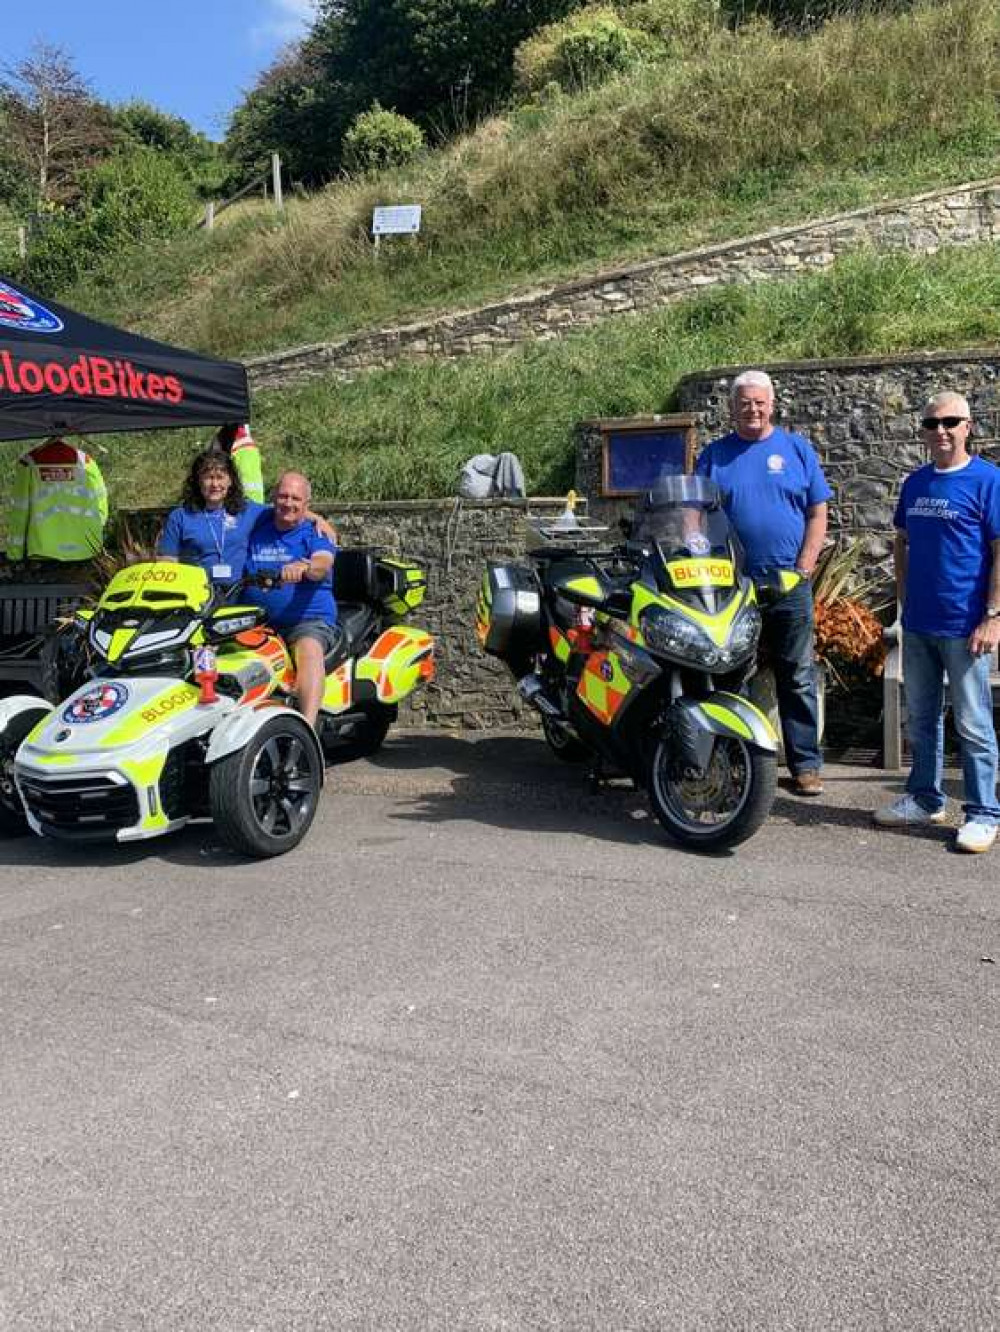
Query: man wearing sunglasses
[947, 560]
[776, 495]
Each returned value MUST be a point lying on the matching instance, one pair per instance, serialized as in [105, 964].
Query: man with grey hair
[286, 544]
[775, 494]
[947, 561]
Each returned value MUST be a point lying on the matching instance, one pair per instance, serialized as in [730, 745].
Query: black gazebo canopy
[63, 373]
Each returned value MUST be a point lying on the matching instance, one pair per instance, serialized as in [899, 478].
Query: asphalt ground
[486, 1052]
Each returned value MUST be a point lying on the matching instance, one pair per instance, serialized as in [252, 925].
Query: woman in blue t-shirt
[212, 524]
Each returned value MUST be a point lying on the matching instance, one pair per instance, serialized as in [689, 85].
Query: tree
[442, 63]
[138, 124]
[56, 127]
[287, 111]
[133, 196]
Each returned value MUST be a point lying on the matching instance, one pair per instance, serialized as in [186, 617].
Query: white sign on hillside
[397, 220]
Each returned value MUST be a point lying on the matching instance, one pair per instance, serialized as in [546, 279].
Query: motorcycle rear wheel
[263, 797]
[720, 809]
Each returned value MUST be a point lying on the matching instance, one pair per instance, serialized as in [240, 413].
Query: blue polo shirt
[288, 604]
[767, 486]
[213, 538]
[950, 519]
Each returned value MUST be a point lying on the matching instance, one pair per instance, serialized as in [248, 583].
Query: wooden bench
[894, 697]
[27, 610]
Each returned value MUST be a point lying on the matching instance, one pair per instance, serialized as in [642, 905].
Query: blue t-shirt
[213, 538]
[288, 604]
[767, 485]
[950, 519]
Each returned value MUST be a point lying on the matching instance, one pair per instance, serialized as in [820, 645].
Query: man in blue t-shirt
[301, 607]
[947, 555]
[775, 494]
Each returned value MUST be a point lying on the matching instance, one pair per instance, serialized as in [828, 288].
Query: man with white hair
[775, 494]
[947, 561]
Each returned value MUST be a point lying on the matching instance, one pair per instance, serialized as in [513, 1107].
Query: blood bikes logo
[96, 704]
[21, 312]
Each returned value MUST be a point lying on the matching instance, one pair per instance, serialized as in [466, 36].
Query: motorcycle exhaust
[532, 691]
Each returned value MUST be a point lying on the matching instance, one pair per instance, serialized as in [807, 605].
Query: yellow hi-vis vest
[246, 459]
[59, 506]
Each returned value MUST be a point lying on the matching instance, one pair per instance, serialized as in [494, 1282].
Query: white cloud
[284, 21]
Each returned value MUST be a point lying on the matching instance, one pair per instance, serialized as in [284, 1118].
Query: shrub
[378, 139]
[136, 196]
[580, 51]
[678, 25]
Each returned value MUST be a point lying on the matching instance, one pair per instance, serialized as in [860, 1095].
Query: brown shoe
[808, 783]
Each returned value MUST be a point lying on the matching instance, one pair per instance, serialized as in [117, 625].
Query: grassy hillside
[405, 432]
[752, 130]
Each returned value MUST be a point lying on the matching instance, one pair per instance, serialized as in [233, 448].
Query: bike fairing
[767, 485]
[950, 517]
[270, 550]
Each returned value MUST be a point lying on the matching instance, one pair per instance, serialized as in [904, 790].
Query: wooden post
[210, 215]
[22, 241]
[279, 202]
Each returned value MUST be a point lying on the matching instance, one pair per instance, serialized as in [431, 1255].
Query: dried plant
[848, 630]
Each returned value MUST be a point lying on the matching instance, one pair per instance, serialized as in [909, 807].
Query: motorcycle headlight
[681, 640]
[744, 634]
[673, 636]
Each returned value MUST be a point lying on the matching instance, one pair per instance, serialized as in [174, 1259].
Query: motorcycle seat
[359, 623]
[335, 655]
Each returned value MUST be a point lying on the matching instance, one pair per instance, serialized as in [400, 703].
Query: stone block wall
[961, 215]
[452, 543]
[863, 416]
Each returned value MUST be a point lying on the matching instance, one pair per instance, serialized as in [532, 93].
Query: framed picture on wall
[637, 451]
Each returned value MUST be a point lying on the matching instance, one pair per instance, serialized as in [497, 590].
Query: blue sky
[193, 58]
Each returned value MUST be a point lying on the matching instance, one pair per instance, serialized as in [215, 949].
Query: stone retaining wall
[863, 415]
[961, 215]
[452, 543]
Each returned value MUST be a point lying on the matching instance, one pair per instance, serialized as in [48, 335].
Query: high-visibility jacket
[246, 459]
[59, 505]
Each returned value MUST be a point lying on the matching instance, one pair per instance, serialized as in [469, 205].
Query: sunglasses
[949, 422]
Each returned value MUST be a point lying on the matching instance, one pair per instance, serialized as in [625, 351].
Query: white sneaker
[976, 836]
[907, 813]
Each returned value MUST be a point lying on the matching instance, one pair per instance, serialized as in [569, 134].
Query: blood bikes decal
[87, 377]
[22, 312]
[99, 702]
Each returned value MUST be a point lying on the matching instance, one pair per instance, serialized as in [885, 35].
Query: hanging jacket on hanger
[59, 505]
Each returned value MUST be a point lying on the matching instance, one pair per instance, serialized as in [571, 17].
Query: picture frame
[636, 451]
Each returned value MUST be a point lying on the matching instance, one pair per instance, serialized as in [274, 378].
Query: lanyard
[216, 531]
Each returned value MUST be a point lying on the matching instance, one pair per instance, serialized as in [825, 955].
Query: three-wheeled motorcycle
[186, 710]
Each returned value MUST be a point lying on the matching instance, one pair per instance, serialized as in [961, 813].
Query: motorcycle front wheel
[724, 805]
[13, 820]
[263, 797]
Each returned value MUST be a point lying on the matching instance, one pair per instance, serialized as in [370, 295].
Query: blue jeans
[926, 659]
[788, 637]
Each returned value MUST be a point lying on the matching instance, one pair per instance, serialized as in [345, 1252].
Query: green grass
[405, 432]
[754, 130]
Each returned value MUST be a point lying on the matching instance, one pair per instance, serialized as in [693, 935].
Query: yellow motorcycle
[636, 658]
